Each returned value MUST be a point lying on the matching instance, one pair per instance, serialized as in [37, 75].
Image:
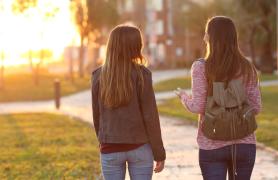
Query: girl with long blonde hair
[125, 114]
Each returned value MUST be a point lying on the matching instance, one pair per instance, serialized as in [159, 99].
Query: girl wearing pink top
[223, 62]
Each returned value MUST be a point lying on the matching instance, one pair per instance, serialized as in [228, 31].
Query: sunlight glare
[20, 33]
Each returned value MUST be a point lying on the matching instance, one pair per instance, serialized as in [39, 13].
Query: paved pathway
[179, 138]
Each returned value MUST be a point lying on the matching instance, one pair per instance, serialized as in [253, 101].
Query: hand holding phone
[179, 92]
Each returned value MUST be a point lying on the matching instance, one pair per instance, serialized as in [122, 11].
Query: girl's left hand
[159, 166]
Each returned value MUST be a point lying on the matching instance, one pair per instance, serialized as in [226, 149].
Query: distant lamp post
[57, 93]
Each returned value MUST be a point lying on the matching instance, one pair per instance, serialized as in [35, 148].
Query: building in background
[165, 44]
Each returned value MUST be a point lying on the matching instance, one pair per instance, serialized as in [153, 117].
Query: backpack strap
[219, 94]
[238, 91]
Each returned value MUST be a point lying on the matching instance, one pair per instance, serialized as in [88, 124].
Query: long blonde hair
[124, 52]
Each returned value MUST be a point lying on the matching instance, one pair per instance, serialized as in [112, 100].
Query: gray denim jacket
[134, 123]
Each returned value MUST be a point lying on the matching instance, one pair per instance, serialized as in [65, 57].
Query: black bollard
[57, 91]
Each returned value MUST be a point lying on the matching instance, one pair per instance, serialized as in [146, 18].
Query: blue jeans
[140, 164]
[215, 163]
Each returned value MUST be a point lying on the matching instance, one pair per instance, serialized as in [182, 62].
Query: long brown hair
[124, 52]
[224, 58]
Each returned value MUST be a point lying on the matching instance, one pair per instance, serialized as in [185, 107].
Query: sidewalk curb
[262, 146]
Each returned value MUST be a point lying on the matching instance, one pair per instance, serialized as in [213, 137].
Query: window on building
[129, 5]
[159, 27]
[155, 5]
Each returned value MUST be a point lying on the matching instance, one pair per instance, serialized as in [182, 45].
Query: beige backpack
[228, 116]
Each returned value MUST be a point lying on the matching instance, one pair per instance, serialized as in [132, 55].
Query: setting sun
[33, 30]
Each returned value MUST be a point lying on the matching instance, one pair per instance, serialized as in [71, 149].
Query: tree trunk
[251, 44]
[2, 81]
[81, 57]
[37, 68]
[96, 56]
[266, 57]
[30, 58]
[71, 71]
[33, 69]
[36, 74]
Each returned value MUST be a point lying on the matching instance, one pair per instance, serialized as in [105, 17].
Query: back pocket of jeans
[110, 158]
[144, 153]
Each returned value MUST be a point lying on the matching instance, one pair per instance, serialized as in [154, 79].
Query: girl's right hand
[179, 92]
[159, 166]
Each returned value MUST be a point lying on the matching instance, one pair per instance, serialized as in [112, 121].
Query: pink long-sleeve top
[197, 101]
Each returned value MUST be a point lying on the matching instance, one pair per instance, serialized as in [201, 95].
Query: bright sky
[20, 33]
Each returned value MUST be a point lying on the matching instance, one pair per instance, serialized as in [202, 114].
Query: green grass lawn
[268, 118]
[21, 87]
[185, 82]
[172, 84]
[267, 77]
[267, 132]
[47, 146]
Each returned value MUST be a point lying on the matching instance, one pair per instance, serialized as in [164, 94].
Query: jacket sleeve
[151, 118]
[95, 105]
[197, 101]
